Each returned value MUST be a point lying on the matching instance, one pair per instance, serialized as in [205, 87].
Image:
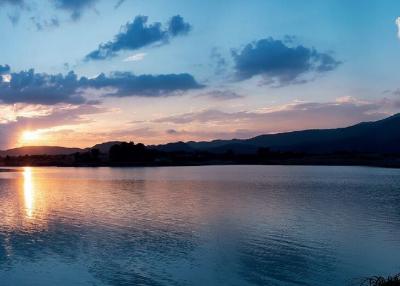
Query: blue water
[211, 225]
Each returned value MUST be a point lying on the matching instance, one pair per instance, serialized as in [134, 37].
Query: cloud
[398, 26]
[128, 84]
[45, 24]
[219, 63]
[41, 88]
[4, 69]
[279, 63]
[39, 117]
[137, 34]
[74, 7]
[222, 94]
[177, 26]
[195, 135]
[14, 17]
[135, 58]
[119, 3]
[289, 117]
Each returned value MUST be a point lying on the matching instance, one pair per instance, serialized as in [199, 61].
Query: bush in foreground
[382, 281]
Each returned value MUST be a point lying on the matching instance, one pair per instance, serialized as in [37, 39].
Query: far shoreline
[386, 165]
[4, 169]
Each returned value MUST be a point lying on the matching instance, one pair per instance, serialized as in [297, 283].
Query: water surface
[211, 225]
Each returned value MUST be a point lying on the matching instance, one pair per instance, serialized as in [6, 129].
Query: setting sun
[30, 136]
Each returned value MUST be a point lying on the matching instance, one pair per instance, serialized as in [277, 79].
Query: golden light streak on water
[29, 192]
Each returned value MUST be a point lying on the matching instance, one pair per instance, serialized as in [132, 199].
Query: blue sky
[225, 69]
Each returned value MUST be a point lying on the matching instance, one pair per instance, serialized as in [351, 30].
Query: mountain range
[381, 136]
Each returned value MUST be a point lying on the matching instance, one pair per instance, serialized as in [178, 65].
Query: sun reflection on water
[29, 192]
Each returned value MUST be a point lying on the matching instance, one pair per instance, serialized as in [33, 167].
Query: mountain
[174, 147]
[381, 136]
[39, 150]
[55, 150]
[105, 147]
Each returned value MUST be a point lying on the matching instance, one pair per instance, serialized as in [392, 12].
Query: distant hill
[55, 150]
[39, 150]
[174, 147]
[381, 136]
[105, 147]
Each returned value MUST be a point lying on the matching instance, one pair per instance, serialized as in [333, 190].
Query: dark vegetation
[382, 281]
[131, 154]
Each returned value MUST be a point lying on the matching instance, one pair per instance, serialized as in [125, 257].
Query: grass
[382, 281]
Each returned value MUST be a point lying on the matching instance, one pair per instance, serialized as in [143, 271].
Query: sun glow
[28, 136]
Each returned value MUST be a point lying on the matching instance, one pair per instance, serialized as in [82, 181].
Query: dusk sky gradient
[76, 73]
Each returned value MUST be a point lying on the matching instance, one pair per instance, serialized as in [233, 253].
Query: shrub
[382, 281]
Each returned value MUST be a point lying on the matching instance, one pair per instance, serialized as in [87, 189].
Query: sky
[80, 72]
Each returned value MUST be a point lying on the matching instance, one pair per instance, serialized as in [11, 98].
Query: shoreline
[3, 169]
[385, 165]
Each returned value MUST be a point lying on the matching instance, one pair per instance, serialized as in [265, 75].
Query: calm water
[219, 225]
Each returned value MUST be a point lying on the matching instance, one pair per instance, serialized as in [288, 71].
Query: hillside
[381, 136]
[39, 150]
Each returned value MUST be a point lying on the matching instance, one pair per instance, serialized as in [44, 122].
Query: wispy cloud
[135, 58]
[119, 3]
[293, 116]
[222, 94]
[34, 117]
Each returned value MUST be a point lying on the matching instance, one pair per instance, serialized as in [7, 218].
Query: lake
[209, 225]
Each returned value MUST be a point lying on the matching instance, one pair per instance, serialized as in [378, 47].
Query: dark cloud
[279, 63]
[42, 88]
[171, 131]
[4, 69]
[177, 26]
[129, 84]
[138, 34]
[74, 7]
